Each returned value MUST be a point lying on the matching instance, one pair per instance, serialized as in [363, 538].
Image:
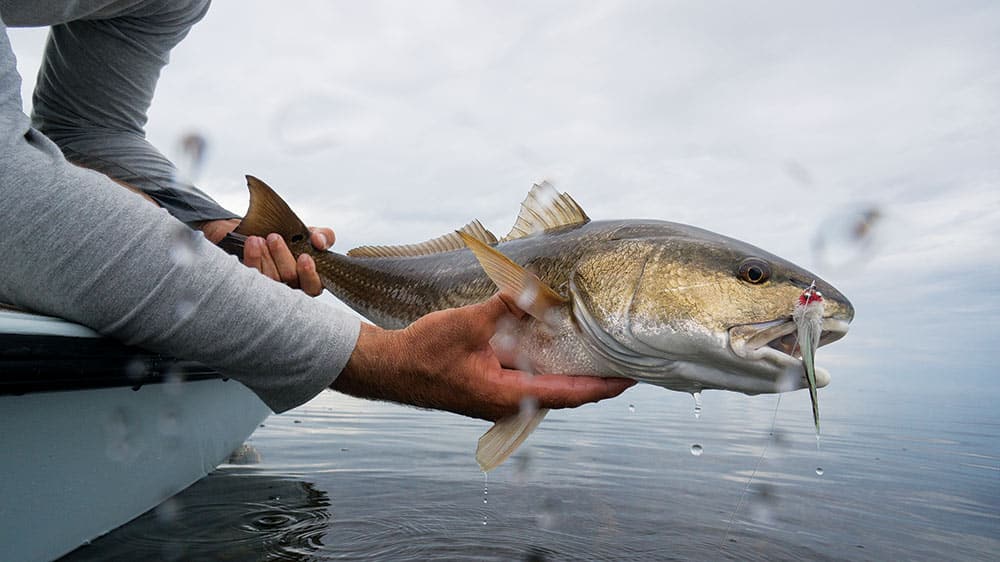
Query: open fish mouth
[777, 338]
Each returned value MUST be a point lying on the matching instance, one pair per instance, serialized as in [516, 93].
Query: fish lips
[774, 343]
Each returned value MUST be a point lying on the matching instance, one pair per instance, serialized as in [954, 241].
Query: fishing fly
[808, 318]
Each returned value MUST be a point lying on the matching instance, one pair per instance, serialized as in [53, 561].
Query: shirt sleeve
[78, 246]
[94, 88]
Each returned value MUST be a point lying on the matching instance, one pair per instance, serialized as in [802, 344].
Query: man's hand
[272, 257]
[444, 361]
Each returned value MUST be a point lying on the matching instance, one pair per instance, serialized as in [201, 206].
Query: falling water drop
[696, 450]
[167, 511]
[631, 408]
[819, 471]
[849, 236]
[193, 147]
[486, 491]
[183, 242]
[697, 405]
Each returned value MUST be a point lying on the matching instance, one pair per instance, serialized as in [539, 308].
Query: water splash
[245, 454]
[819, 471]
[697, 450]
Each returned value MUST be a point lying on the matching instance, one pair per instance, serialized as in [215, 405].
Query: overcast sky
[394, 122]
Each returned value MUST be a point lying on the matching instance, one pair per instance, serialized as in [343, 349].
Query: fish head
[691, 310]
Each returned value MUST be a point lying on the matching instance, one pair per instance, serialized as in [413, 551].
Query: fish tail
[269, 213]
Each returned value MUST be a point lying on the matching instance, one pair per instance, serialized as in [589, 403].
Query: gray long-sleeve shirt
[78, 246]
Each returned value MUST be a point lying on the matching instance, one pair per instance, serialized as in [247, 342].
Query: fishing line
[753, 474]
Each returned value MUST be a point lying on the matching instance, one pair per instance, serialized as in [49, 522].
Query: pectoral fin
[505, 437]
[530, 293]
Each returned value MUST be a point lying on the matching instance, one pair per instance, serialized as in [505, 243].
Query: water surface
[903, 477]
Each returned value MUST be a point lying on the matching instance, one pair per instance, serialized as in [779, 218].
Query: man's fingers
[309, 280]
[283, 260]
[257, 256]
[252, 252]
[321, 237]
[564, 391]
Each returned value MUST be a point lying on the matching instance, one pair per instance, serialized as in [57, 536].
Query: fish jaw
[770, 348]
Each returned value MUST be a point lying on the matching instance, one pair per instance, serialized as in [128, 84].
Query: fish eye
[754, 271]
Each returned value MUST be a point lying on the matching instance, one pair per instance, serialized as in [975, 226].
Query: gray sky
[397, 121]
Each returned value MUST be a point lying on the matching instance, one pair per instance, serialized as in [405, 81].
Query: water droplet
[121, 436]
[183, 242]
[548, 514]
[522, 465]
[526, 299]
[184, 309]
[529, 406]
[697, 405]
[697, 450]
[819, 471]
[170, 421]
[848, 236]
[167, 511]
[193, 148]
[173, 381]
[631, 408]
[798, 173]
[136, 369]
[296, 421]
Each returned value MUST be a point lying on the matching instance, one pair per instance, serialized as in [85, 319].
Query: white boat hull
[76, 464]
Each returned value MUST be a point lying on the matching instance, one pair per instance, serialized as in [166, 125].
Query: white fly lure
[808, 317]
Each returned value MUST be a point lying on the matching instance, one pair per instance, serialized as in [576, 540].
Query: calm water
[903, 477]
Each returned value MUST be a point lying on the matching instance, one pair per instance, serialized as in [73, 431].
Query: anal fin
[505, 437]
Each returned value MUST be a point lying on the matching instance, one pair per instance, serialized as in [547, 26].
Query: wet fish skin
[660, 302]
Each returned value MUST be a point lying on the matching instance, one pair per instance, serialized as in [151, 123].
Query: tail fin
[505, 437]
[269, 213]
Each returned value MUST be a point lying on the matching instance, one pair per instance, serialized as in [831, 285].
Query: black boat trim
[43, 363]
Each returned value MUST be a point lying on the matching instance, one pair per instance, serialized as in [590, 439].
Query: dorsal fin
[545, 208]
[446, 243]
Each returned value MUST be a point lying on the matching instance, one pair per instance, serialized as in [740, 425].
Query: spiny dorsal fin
[447, 243]
[269, 213]
[530, 293]
[545, 208]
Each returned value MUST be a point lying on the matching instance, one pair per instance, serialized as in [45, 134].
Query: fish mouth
[776, 341]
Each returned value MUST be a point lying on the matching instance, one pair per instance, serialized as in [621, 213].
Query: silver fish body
[660, 302]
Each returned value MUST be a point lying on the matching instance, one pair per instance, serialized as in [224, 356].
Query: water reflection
[364, 480]
[233, 514]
